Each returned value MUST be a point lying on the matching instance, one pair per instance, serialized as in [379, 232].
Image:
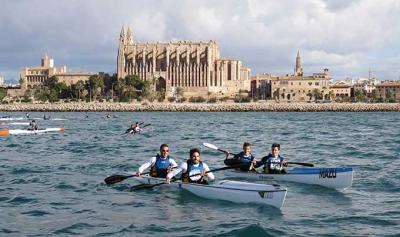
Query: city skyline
[347, 37]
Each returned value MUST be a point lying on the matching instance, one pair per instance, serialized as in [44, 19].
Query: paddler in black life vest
[244, 158]
[33, 125]
[193, 170]
[160, 165]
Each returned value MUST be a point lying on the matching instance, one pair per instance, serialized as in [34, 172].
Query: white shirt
[152, 162]
[183, 169]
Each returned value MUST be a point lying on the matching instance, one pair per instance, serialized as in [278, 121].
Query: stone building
[194, 66]
[35, 76]
[341, 90]
[295, 86]
[388, 90]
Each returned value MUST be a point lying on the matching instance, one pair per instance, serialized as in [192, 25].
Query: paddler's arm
[210, 175]
[176, 171]
[146, 166]
[261, 163]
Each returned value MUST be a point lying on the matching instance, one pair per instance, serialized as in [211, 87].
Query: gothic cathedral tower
[298, 70]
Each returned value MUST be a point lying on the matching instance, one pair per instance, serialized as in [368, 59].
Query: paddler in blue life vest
[273, 162]
[160, 165]
[191, 167]
[244, 158]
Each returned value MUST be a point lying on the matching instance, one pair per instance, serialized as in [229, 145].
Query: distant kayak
[25, 131]
[10, 119]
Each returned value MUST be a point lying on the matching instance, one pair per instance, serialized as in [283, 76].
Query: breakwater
[204, 107]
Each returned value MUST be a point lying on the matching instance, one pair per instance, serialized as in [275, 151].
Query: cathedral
[196, 67]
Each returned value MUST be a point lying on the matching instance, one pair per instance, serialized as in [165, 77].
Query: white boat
[10, 118]
[228, 190]
[338, 178]
[26, 131]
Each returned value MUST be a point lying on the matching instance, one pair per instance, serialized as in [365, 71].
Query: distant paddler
[27, 115]
[46, 118]
[33, 125]
[134, 128]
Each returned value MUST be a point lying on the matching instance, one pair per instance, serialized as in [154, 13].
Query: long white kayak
[228, 190]
[11, 118]
[25, 131]
[338, 178]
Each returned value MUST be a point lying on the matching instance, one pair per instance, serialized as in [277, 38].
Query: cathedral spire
[122, 35]
[298, 70]
[129, 37]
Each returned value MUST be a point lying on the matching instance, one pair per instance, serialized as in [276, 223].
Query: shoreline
[202, 107]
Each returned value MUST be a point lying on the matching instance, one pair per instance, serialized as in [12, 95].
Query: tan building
[194, 66]
[388, 90]
[34, 76]
[292, 87]
[341, 90]
[73, 77]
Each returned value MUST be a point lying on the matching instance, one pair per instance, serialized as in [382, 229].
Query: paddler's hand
[226, 154]
[203, 173]
[254, 162]
[168, 180]
[284, 163]
[169, 169]
[138, 174]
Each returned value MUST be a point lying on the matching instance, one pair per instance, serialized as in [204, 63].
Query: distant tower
[129, 36]
[121, 54]
[298, 70]
[46, 61]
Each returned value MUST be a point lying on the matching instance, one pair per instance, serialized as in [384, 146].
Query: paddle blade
[116, 178]
[301, 163]
[210, 145]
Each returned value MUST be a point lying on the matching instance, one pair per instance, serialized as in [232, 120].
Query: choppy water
[51, 184]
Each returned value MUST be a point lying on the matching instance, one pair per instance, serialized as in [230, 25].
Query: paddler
[191, 167]
[160, 165]
[273, 162]
[244, 158]
[33, 125]
[136, 128]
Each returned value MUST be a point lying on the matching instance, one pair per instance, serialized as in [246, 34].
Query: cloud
[349, 37]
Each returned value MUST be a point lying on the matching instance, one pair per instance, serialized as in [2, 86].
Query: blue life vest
[273, 164]
[191, 169]
[244, 158]
[160, 168]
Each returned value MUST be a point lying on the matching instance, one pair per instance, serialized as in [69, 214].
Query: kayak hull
[337, 178]
[25, 131]
[228, 190]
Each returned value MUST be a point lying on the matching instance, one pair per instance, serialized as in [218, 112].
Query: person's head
[246, 148]
[275, 149]
[164, 150]
[195, 155]
[33, 121]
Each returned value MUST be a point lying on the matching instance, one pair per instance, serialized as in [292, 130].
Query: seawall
[203, 107]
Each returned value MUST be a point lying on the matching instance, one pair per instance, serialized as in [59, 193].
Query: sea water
[52, 184]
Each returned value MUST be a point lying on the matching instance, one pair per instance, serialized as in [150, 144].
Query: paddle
[300, 163]
[118, 178]
[140, 186]
[215, 148]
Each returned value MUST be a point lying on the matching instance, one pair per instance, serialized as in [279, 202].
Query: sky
[350, 38]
